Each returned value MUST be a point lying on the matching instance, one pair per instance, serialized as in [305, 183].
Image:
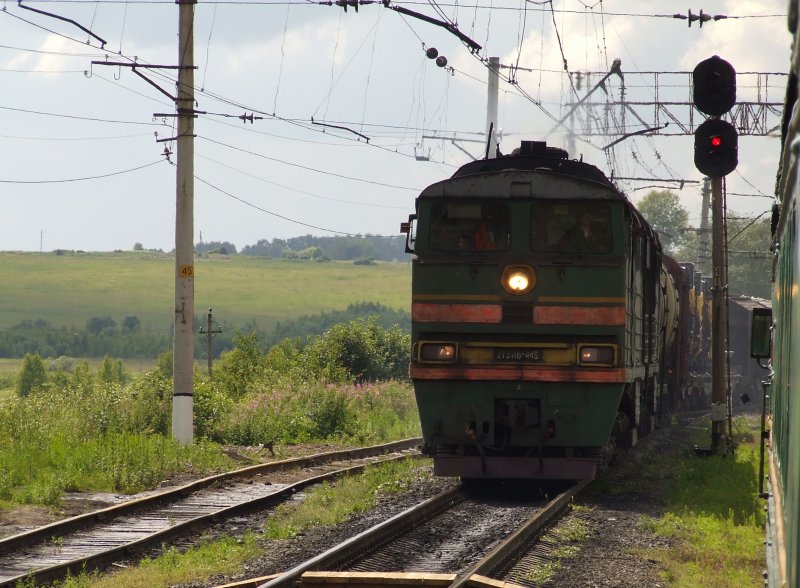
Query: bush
[32, 376]
[361, 351]
[240, 367]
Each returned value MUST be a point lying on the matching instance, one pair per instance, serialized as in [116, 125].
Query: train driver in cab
[586, 234]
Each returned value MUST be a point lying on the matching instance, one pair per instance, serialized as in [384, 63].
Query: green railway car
[541, 312]
[783, 427]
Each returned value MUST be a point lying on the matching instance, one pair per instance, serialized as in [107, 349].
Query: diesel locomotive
[547, 324]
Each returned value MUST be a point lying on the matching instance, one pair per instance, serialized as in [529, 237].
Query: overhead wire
[107, 138]
[208, 46]
[307, 168]
[83, 178]
[272, 213]
[75, 117]
[304, 124]
[520, 91]
[454, 4]
[294, 189]
[283, 58]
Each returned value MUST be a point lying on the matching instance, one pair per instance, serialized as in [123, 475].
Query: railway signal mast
[716, 155]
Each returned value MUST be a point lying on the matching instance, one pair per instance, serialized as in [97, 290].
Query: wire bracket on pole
[69, 20]
[322, 124]
[639, 132]
[134, 69]
[473, 46]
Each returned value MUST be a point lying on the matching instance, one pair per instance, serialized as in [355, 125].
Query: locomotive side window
[470, 226]
[571, 227]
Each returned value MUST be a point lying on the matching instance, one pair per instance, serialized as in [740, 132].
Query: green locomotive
[541, 312]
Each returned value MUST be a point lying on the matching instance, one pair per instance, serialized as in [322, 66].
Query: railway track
[97, 539]
[376, 558]
[451, 539]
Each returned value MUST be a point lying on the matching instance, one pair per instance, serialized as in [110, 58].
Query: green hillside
[71, 288]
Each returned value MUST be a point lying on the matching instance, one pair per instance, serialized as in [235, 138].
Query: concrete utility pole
[719, 347]
[702, 238]
[209, 333]
[491, 107]
[183, 347]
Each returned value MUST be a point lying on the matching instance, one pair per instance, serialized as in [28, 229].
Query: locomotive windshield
[469, 226]
[573, 227]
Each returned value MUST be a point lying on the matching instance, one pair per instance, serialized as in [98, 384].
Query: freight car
[783, 429]
[547, 324]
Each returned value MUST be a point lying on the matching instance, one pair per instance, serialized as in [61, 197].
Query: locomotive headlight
[596, 355]
[518, 279]
[440, 352]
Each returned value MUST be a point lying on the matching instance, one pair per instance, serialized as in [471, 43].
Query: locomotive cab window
[469, 226]
[571, 227]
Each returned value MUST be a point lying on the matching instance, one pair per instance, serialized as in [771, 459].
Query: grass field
[69, 289]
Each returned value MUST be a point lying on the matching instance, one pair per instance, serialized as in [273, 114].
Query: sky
[355, 119]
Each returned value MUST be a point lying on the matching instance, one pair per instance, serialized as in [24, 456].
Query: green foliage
[112, 372]
[664, 212]
[32, 376]
[688, 251]
[240, 367]
[749, 257]
[317, 324]
[164, 364]
[218, 247]
[106, 431]
[338, 247]
[91, 435]
[98, 338]
[131, 323]
[211, 407]
[309, 412]
[363, 350]
[98, 324]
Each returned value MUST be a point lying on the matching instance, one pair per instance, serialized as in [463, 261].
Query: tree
[98, 324]
[664, 212]
[131, 323]
[240, 367]
[33, 374]
[112, 372]
[749, 256]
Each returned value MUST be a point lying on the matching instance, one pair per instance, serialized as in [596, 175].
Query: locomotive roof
[535, 156]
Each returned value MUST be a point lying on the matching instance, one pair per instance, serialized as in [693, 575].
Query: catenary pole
[183, 347]
[491, 107]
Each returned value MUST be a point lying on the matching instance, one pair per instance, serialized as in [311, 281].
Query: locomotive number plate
[524, 355]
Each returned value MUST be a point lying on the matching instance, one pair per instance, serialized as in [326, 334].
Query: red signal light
[715, 148]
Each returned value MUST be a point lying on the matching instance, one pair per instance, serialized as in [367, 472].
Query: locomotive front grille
[515, 312]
